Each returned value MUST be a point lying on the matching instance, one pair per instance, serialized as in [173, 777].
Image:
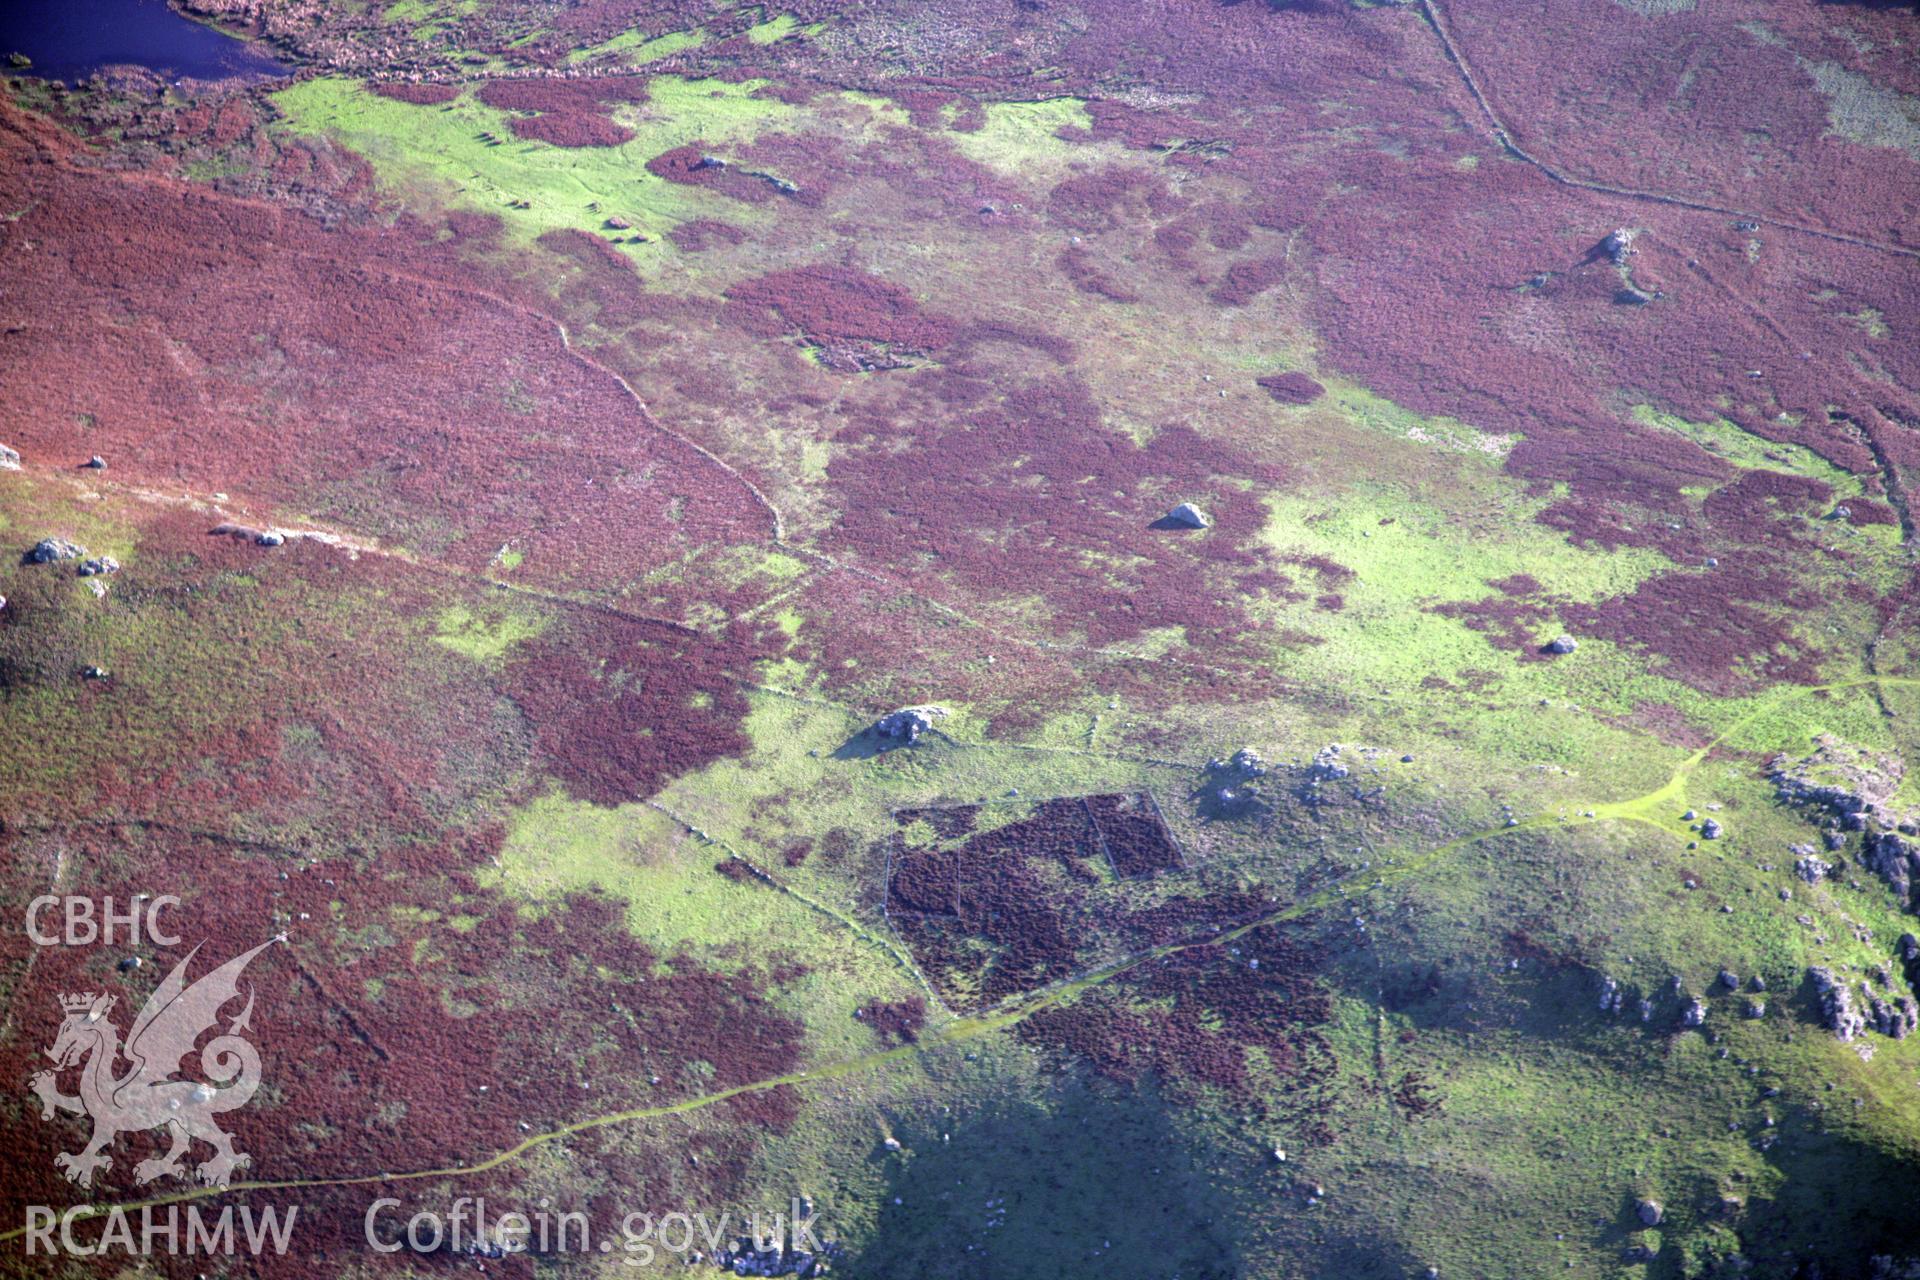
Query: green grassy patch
[482, 638]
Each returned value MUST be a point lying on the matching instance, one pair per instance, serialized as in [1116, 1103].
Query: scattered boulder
[1711, 830]
[618, 223]
[247, 533]
[1188, 516]
[94, 672]
[1811, 868]
[1729, 979]
[1610, 995]
[1633, 295]
[99, 566]
[907, 724]
[1650, 1213]
[51, 550]
[1695, 1014]
[1327, 766]
[1756, 1009]
[1561, 644]
[95, 463]
[9, 458]
[1618, 244]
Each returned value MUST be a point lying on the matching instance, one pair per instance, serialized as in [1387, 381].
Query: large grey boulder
[907, 724]
[1190, 516]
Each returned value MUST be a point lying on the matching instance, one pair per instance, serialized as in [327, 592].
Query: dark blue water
[71, 39]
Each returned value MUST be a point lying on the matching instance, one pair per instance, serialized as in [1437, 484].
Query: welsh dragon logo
[147, 1095]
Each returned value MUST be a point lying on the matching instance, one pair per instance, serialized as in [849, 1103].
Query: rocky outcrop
[1855, 787]
[907, 724]
[1890, 1011]
[1896, 860]
[1837, 1011]
[52, 550]
[1233, 786]
[1327, 765]
[1851, 782]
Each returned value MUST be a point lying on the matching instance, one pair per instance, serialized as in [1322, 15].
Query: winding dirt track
[1504, 136]
[1654, 809]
